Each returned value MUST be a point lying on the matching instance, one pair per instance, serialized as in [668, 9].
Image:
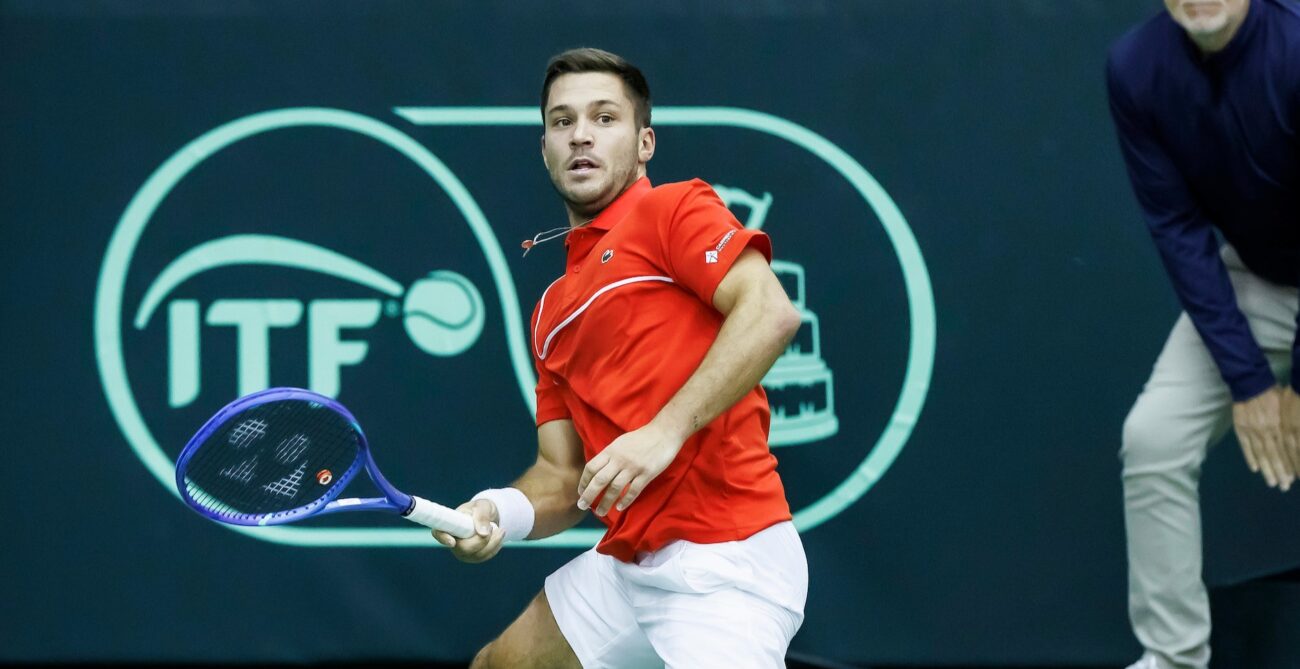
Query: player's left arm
[758, 323]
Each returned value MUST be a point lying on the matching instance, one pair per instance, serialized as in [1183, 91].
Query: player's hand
[1258, 422]
[626, 467]
[485, 543]
[1290, 411]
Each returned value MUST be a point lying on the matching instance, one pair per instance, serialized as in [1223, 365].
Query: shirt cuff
[1251, 386]
[550, 406]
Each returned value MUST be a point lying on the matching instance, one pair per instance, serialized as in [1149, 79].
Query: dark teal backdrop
[994, 536]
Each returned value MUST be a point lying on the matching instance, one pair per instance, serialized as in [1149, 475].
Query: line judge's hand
[485, 543]
[1290, 419]
[1258, 422]
[626, 466]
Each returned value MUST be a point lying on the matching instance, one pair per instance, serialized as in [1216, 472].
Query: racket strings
[248, 444]
[244, 488]
[273, 458]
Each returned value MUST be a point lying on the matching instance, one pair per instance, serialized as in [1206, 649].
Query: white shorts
[732, 604]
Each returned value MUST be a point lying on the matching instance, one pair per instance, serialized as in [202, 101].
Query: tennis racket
[285, 454]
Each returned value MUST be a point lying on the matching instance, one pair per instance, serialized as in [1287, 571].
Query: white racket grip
[438, 517]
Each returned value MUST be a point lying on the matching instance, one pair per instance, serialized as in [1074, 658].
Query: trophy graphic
[800, 387]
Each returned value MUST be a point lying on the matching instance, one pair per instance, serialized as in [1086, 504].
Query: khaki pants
[1185, 408]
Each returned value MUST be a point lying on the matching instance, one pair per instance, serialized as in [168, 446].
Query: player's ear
[645, 144]
[545, 162]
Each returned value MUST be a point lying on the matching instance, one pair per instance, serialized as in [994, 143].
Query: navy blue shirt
[1214, 142]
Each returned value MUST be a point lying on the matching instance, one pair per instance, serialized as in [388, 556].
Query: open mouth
[583, 165]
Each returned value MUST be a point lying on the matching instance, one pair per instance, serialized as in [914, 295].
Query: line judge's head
[597, 137]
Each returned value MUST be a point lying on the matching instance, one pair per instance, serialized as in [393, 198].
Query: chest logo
[604, 257]
[710, 257]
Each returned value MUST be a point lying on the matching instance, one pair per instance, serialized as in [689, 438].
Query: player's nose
[581, 134]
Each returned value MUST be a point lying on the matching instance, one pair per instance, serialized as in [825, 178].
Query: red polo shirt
[620, 333]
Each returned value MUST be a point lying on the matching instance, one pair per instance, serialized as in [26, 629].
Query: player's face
[592, 146]
[1204, 18]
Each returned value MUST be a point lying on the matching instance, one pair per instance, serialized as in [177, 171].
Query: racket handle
[438, 517]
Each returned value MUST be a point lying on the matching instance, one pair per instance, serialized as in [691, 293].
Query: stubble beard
[589, 208]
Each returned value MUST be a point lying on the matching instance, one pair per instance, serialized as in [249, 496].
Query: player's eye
[561, 122]
[605, 118]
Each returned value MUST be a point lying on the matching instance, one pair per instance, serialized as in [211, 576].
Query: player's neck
[579, 218]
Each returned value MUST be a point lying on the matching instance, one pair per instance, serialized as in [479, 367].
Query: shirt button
[577, 268]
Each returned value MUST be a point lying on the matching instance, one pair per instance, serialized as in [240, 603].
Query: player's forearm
[552, 490]
[752, 337]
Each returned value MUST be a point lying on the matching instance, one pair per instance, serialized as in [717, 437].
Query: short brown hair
[587, 59]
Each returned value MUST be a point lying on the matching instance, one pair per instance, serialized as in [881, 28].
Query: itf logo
[442, 313]
[194, 307]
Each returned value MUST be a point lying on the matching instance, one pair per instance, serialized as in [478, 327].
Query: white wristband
[515, 513]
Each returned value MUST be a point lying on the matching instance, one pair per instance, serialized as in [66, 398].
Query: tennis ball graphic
[443, 313]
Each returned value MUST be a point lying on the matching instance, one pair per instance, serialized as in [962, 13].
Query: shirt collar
[619, 208]
[579, 243]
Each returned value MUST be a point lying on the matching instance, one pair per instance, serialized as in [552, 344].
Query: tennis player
[649, 351]
[1206, 100]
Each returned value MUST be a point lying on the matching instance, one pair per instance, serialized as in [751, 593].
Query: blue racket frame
[393, 500]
